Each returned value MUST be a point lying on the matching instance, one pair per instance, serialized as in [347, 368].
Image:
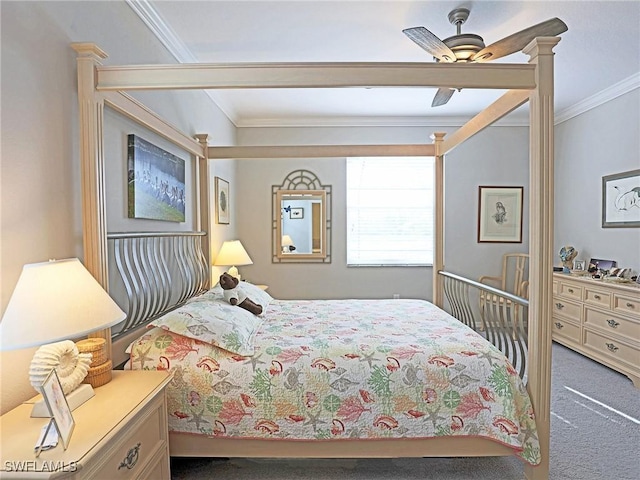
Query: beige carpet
[595, 435]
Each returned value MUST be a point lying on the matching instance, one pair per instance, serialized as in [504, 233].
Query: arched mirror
[301, 220]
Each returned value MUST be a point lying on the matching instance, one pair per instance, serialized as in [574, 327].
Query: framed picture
[600, 264]
[621, 200]
[296, 213]
[155, 182]
[579, 265]
[58, 407]
[500, 214]
[222, 201]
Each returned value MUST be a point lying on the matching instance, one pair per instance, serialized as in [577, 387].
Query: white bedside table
[121, 433]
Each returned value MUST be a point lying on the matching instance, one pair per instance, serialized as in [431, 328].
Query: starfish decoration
[142, 356]
[488, 357]
[368, 357]
[433, 416]
[528, 433]
[197, 419]
[254, 361]
[313, 420]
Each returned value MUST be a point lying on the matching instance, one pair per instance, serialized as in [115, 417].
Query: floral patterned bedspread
[326, 369]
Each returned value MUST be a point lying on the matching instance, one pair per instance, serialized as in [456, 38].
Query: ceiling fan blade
[442, 96]
[432, 44]
[516, 42]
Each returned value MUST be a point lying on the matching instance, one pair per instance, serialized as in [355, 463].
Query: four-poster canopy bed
[100, 85]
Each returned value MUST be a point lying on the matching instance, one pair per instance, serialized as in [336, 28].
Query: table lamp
[53, 302]
[232, 253]
[287, 243]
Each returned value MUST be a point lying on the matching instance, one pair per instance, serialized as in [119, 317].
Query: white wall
[40, 181]
[600, 142]
[497, 156]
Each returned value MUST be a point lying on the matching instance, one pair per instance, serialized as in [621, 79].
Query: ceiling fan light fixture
[465, 45]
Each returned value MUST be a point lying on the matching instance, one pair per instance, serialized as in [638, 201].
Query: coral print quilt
[328, 369]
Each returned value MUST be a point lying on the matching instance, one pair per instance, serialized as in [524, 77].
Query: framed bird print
[500, 214]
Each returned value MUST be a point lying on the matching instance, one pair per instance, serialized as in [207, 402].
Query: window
[390, 211]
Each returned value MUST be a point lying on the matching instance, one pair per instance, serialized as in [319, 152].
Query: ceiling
[597, 59]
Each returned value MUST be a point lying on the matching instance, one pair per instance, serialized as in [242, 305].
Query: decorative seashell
[71, 365]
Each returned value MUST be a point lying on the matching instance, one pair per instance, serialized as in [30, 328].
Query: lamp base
[76, 398]
[233, 271]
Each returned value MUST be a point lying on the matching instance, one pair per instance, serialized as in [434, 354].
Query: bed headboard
[151, 273]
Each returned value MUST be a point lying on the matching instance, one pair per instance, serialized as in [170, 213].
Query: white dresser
[599, 319]
[120, 434]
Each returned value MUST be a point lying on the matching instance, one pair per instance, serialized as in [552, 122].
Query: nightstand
[121, 433]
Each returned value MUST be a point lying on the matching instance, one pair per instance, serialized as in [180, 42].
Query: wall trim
[606, 95]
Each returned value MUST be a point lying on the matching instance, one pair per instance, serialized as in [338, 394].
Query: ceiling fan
[468, 47]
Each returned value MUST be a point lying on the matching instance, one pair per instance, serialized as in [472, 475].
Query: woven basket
[100, 375]
[97, 347]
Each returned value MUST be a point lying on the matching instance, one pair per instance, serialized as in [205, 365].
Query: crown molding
[606, 95]
[176, 47]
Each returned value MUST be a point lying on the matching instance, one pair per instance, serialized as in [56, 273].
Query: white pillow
[213, 321]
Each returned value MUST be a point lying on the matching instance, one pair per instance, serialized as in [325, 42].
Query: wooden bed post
[541, 243]
[94, 214]
[203, 209]
[438, 223]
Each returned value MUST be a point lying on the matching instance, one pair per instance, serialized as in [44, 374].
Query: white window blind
[390, 211]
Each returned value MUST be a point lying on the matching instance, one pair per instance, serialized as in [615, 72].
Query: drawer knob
[612, 323]
[612, 347]
[597, 297]
[570, 290]
[559, 306]
[630, 305]
[558, 325]
[131, 459]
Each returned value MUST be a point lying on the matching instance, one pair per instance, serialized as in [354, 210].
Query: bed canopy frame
[100, 85]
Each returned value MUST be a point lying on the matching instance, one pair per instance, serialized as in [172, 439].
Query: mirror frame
[298, 182]
[322, 255]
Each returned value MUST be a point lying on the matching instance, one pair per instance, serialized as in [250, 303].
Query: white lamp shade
[287, 241]
[56, 300]
[232, 253]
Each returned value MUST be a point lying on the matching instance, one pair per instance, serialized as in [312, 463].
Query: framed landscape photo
[500, 214]
[58, 407]
[621, 200]
[222, 201]
[155, 182]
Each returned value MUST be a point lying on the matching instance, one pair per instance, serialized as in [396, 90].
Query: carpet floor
[595, 435]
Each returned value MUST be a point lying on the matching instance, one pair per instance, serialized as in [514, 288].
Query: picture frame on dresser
[621, 200]
[61, 416]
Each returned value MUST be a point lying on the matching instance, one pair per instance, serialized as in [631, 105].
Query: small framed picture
[222, 201]
[296, 213]
[500, 214]
[579, 265]
[58, 407]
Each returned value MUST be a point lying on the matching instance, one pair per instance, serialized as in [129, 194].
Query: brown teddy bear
[234, 294]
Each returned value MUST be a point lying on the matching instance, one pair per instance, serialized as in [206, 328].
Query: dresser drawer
[597, 297]
[570, 290]
[135, 445]
[567, 309]
[612, 323]
[626, 304]
[612, 348]
[566, 329]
